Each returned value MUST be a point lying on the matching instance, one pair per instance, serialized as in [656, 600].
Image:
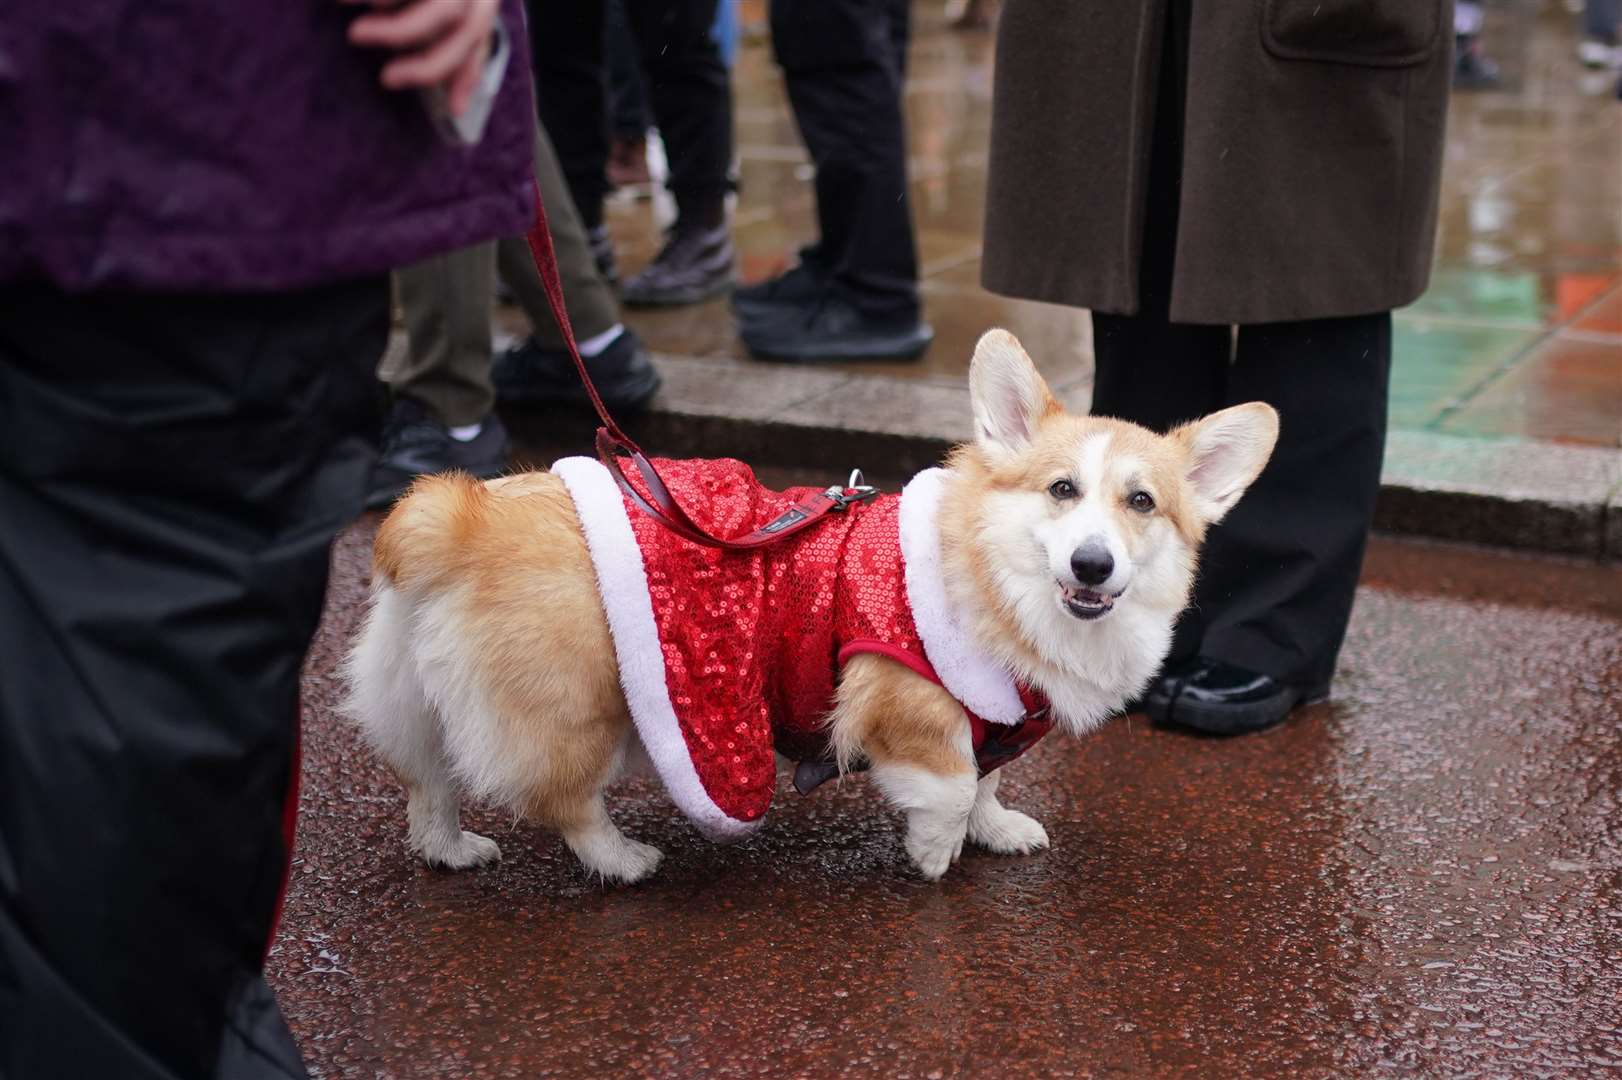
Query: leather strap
[613, 444]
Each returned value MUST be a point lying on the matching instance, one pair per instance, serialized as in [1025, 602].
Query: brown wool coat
[1311, 156]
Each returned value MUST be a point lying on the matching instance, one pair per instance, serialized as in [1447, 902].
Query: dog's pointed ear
[1226, 452]
[1008, 394]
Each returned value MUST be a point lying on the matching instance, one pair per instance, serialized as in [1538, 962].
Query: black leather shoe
[529, 373]
[1156, 700]
[1225, 699]
[415, 444]
[833, 328]
[694, 265]
[799, 285]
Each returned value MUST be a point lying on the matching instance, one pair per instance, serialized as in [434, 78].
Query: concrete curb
[1507, 493]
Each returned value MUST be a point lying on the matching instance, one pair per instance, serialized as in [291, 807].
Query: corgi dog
[533, 636]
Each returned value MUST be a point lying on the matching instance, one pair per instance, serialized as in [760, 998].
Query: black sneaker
[602, 253]
[530, 373]
[833, 328]
[694, 265]
[415, 444]
[801, 284]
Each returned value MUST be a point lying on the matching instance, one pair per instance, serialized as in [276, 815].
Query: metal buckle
[857, 490]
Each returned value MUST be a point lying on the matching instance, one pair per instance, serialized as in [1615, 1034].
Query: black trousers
[172, 471]
[628, 114]
[844, 64]
[1278, 574]
[685, 79]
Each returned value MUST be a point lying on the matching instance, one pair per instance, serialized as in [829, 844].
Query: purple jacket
[204, 145]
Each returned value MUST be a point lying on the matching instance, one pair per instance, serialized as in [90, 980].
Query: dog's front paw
[935, 855]
[468, 851]
[1007, 832]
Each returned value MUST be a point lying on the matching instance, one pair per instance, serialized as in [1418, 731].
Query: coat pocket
[1374, 33]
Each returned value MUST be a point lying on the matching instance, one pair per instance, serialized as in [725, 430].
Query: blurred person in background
[1599, 47]
[1473, 69]
[1240, 207]
[854, 293]
[688, 86]
[199, 218]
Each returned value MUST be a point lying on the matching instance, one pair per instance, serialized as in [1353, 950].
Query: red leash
[613, 443]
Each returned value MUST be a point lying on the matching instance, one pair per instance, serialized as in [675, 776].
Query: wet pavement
[1423, 877]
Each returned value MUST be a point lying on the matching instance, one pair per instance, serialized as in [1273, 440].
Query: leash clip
[856, 490]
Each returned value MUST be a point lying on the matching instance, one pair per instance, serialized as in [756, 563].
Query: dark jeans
[844, 63]
[172, 471]
[686, 82]
[1278, 574]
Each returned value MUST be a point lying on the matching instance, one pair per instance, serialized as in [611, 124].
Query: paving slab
[1423, 877]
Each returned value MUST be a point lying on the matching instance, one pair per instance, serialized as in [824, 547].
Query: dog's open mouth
[1085, 603]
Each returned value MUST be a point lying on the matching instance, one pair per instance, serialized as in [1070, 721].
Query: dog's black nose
[1092, 563]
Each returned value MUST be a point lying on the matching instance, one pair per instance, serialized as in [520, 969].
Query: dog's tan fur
[507, 565]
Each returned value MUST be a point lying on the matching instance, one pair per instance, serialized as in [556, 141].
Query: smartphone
[468, 129]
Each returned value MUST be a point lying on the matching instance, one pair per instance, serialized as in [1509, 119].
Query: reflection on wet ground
[1519, 336]
[1424, 875]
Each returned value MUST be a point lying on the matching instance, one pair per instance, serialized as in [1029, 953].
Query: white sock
[467, 432]
[595, 344]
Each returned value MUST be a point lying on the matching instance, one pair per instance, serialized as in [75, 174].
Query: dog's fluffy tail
[425, 534]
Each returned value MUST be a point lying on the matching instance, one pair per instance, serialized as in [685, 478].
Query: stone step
[1502, 492]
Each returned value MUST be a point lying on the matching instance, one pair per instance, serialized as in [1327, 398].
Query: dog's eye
[1141, 501]
[1062, 489]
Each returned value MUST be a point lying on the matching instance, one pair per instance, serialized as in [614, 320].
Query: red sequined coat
[727, 656]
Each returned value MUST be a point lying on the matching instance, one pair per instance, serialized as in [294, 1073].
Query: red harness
[995, 745]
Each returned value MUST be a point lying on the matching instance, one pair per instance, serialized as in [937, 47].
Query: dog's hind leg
[996, 828]
[603, 849]
[386, 699]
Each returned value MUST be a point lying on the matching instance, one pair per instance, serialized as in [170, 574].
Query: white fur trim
[622, 582]
[984, 686]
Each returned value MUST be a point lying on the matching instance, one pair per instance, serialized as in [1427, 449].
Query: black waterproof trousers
[172, 471]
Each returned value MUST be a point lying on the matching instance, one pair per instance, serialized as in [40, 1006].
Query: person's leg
[593, 307]
[857, 298]
[443, 412]
[571, 91]
[447, 300]
[1279, 572]
[538, 369]
[1599, 47]
[172, 471]
[1146, 368]
[691, 93]
[1472, 68]
[1602, 19]
[841, 66]
[628, 114]
[690, 89]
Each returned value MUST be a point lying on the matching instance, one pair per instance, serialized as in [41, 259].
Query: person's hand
[442, 43]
